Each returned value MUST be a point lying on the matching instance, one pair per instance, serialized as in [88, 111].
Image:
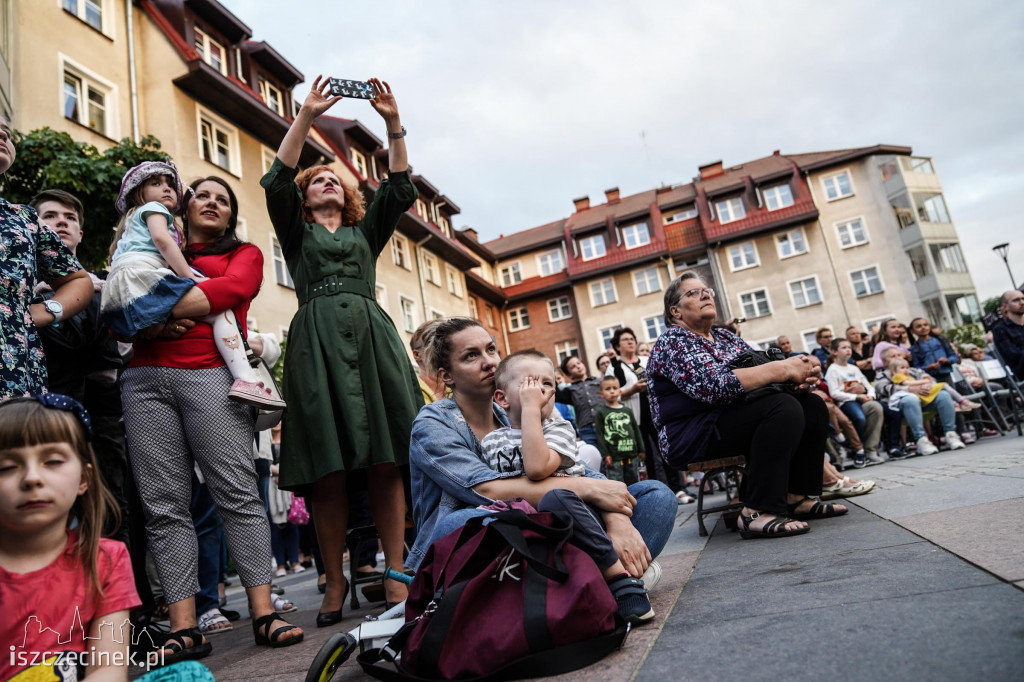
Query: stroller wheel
[332, 654]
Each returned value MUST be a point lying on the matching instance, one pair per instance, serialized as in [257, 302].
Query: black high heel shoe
[328, 618]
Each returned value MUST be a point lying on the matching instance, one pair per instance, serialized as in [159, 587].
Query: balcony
[684, 236]
[537, 285]
[943, 282]
[617, 256]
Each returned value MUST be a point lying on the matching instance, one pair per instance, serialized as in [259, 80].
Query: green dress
[351, 389]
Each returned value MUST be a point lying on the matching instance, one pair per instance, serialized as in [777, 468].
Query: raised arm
[539, 460]
[157, 224]
[387, 107]
[317, 102]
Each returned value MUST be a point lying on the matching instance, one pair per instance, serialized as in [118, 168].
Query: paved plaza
[922, 580]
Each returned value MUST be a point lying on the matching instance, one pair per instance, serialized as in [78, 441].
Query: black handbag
[754, 358]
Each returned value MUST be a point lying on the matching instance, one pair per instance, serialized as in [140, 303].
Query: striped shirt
[502, 449]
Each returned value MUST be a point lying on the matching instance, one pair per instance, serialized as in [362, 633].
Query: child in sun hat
[149, 275]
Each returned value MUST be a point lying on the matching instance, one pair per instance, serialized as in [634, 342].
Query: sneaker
[652, 576]
[254, 393]
[859, 460]
[896, 454]
[925, 446]
[875, 458]
[631, 596]
[953, 441]
[968, 437]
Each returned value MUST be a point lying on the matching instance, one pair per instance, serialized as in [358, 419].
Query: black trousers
[782, 436]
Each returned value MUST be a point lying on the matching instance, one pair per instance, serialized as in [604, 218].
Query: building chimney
[471, 233]
[582, 203]
[611, 195]
[710, 170]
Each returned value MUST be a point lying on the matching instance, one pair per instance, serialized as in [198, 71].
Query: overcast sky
[515, 108]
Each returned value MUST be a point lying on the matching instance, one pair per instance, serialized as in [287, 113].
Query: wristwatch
[397, 136]
[56, 309]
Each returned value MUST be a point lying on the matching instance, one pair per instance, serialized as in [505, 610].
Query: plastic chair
[984, 397]
[997, 371]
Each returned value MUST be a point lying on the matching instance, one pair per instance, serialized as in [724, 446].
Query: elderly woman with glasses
[704, 409]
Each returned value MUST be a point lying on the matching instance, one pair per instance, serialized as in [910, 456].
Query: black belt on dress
[332, 284]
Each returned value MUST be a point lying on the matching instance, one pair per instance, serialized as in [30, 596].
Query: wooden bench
[734, 469]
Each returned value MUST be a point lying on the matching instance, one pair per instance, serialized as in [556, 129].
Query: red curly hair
[355, 205]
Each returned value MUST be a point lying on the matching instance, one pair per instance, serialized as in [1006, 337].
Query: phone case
[352, 89]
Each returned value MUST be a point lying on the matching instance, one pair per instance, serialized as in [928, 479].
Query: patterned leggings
[176, 419]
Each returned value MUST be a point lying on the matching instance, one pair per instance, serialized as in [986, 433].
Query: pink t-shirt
[49, 611]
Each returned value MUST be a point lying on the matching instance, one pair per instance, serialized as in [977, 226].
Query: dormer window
[676, 215]
[445, 226]
[421, 209]
[779, 196]
[636, 235]
[272, 96]
[212, 52]
[592, 247]
[730, 210]
[359, 161]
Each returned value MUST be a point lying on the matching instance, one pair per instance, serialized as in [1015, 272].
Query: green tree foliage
[990, 305]
[48, 159]
[967, 333]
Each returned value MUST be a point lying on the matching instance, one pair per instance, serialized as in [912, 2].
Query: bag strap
[555, 661]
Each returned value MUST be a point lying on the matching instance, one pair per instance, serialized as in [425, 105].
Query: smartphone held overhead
[354, 89]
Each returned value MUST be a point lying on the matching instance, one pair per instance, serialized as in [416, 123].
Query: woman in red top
[177, 417]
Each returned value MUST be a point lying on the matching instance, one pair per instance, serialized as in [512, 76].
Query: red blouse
[235, 279]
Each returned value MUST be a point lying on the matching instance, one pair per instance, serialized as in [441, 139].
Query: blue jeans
[653, 516]
[855, 413]
[910, 407]
[588, 434]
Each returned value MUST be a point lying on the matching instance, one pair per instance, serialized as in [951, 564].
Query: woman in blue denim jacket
[932, 352]
[450, 480]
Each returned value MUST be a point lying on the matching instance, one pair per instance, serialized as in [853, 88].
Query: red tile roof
[526, 240]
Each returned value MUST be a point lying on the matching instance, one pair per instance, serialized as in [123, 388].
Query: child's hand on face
[534, 395]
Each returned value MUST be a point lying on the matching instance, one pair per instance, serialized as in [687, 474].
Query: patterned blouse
[28, 253]
[689, 383]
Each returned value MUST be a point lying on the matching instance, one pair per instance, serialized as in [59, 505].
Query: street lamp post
[1003, 250]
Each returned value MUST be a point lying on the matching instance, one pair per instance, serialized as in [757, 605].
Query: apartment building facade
[791, 243]
[191, 73]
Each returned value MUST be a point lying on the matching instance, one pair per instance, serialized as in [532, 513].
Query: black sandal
[776, 528]
[273, 639]
[818, 510]
[179, 652]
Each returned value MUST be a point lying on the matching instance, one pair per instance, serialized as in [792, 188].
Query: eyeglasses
[699, 293]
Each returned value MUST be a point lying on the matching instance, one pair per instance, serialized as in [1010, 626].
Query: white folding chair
[984, 397]
[996, 371]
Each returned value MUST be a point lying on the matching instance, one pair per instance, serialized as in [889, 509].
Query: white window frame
[565, 349]
[444, 225]
[474, 311]
[407, 311]
[266, 90]
[204, 52]
[809, 343]
[400, 252]
[602, 347]
[878, 275]
[279, 264]
[489, 314]
[835, 176]
[745, 266]
[514, 270]
[789, 234]
[840, 224]
[89, 79]
[552, 255]
[230, 132]
[436, 314]
[241, 229]
[615, 292]
[556, 312]
[680, 215]
[421, 210]
[660, 320]
[380, 294]
[81, 13]
[728, 203]
[454, 281]
[267, 157]
[633, 231]
[767, 299]
[876, 320]
[358, 160]
[634, 278]
[593, 240]
[775, 192]
[801, 280]
[432, 268]
[518, 319]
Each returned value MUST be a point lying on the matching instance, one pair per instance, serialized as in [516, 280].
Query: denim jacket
[445, 465]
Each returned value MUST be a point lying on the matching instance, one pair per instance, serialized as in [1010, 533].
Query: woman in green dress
[351, 390]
